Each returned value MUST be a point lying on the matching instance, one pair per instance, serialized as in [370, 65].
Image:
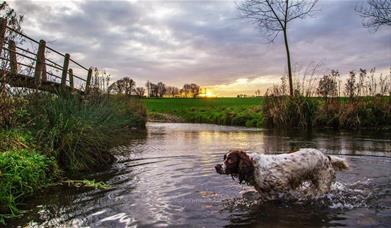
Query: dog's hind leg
[325, 179]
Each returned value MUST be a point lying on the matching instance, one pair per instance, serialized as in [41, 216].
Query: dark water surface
[167, 178]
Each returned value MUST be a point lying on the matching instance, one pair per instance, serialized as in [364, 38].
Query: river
[167, 177]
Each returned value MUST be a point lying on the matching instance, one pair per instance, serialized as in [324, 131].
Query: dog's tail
[339, 164]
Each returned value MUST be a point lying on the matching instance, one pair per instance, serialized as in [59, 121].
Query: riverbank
[222, 111]
[371, 112]
[44, 138]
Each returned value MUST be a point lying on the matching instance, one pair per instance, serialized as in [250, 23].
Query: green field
[225, 111]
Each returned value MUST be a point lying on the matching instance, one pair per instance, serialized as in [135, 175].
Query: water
[167, 177]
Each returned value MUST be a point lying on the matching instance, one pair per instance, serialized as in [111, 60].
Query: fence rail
[39, 78]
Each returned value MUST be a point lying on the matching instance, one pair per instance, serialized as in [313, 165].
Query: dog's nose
[219, 168]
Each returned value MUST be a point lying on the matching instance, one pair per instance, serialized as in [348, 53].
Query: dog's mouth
[219, 169]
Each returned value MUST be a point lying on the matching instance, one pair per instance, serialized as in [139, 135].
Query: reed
[366, 104]
[80, 132]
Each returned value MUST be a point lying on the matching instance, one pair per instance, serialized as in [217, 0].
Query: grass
[79, 133]
[23, 170]
[52, 135]
[277, 111]
[224, 111]
[338, 113]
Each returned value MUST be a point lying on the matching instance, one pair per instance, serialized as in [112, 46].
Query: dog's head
[237, 164]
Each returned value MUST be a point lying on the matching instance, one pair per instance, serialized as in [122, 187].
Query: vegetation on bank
[366, 102]
[362, 101]
[45, 136]
[338, 113]
[224, 111]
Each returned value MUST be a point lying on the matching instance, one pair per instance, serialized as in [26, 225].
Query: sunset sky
[204, 42]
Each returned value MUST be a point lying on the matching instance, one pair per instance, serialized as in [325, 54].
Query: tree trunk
[288, 56]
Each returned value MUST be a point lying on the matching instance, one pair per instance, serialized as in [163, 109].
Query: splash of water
[341, 196]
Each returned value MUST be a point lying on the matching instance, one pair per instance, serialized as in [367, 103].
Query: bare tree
[154, 90]
[186, 90]
[125, 86]
[140, 91]
[375, 13]
[161, 89]
[129, 85]
[195, 90]
[273, 17]
[172, 91]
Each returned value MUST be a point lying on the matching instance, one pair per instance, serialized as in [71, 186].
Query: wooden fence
[39, 67]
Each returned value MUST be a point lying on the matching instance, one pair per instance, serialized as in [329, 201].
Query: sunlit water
[167, 177]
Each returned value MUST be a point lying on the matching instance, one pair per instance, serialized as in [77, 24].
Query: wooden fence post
[65, 70]
[3, 27]
[88, 83]
[39, 63]
[71, 78]
[12, 56]
[44, 73]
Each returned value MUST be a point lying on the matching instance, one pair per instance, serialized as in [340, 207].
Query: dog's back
[283, 172]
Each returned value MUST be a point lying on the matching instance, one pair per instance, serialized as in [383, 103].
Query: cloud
[200, 41]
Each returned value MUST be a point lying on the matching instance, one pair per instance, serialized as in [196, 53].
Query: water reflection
[167, 178]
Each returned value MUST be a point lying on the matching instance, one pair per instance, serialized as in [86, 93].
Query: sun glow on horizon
[210, 94]
[207, 93]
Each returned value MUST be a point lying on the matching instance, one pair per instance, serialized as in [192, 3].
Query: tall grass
[70, 132]
[367, 103]
[80, 132]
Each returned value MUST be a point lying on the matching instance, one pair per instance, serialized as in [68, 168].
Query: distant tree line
[161, 90]
[127, 86]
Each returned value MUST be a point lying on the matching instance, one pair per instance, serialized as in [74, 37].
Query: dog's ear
[245, 158]
[246, 168]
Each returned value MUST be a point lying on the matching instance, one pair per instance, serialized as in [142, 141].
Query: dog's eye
[229, 160]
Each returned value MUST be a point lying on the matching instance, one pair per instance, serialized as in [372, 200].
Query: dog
[272, 175]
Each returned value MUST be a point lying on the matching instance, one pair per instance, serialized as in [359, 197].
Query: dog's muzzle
[219, 169]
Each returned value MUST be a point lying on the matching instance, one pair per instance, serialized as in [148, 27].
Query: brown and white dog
[272, 175]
